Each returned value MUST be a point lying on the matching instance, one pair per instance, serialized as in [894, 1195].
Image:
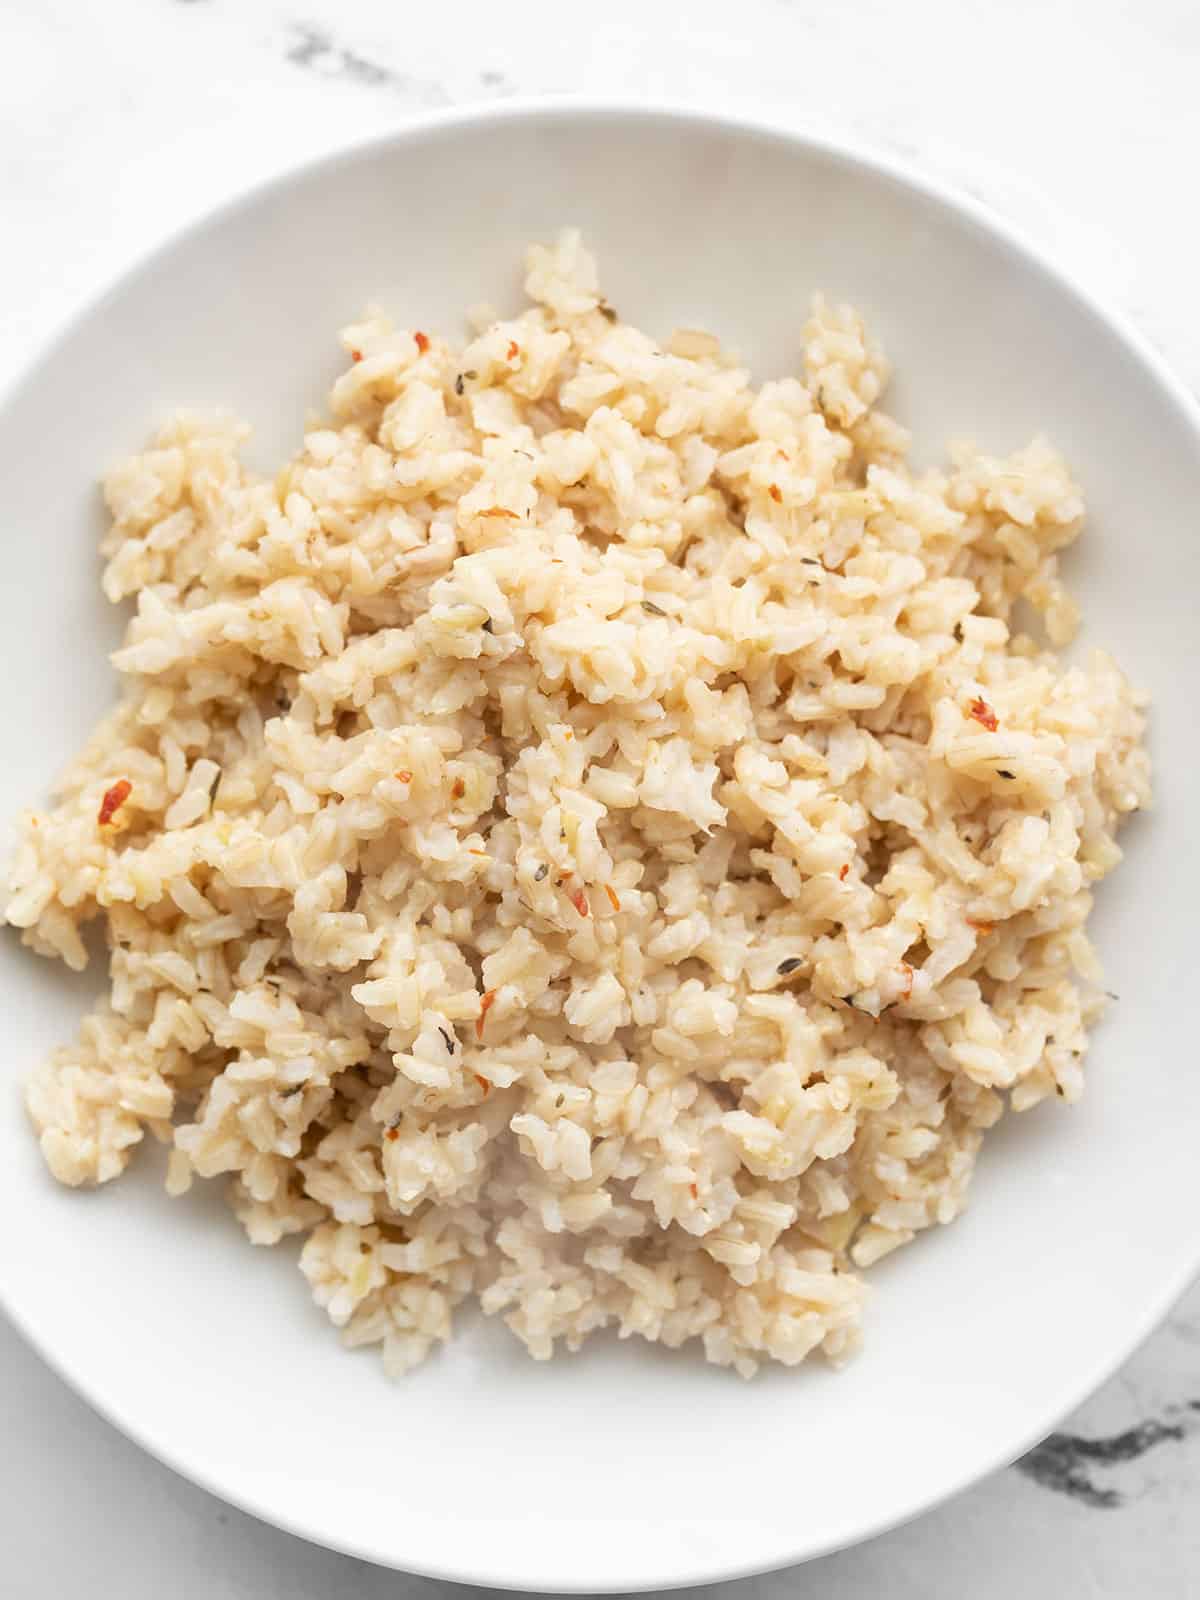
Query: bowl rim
[854, 153]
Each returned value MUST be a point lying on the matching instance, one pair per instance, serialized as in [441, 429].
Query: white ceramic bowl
[624, 1467]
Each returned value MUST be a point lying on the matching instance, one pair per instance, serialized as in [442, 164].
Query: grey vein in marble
[316, 50]
[1064, 1461]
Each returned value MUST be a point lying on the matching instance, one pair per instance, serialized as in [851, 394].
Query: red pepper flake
[485, 1005]
[695, 1191]
[403, 776]
[483, 1084]
[114, 799]
[356, 355]
[580, 901]
[613, 898]
[842, 872]
[512, 352]
[983, 928]
[458, 788]
[908, 979]
[775, 493]
[391, 1133]
[983, 714]
[422, 342]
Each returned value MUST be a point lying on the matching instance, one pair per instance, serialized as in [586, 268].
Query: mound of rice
[587, 835]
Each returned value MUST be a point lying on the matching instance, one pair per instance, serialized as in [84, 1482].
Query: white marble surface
[120, 121]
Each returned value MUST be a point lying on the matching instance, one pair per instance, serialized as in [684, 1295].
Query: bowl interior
[624, 1467]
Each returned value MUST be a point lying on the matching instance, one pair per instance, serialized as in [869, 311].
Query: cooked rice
[593, 839]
